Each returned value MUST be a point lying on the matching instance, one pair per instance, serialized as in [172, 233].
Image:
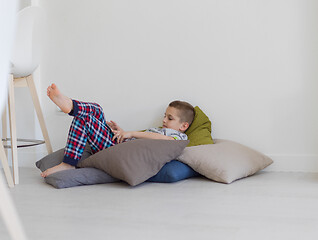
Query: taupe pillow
[224, 161]
[135, 161]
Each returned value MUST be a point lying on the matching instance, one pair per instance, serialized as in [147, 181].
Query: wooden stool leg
[39, 113]
[4, 127]
[13, 131]
[3, 151]
[5, 166]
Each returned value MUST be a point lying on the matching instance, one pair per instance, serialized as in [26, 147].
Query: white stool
[29, 83]
[25, 59]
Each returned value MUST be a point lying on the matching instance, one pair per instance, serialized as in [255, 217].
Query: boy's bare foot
[63, 102]
[62, 166]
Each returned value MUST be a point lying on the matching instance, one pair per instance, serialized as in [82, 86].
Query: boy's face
[172, 120]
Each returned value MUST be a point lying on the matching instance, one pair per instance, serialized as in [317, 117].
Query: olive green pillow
[199, 132]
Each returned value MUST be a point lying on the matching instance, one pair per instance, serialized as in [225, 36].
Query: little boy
[89, 125]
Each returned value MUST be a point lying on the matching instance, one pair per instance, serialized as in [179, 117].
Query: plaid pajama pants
[88, 125]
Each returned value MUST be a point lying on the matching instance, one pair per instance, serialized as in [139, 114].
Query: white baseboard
[293, 163]
[282, 163]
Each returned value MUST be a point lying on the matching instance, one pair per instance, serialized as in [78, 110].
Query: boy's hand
[121, 135]
[114, 126]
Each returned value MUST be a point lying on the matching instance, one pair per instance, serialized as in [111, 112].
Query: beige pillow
[135, 161]
[224, 161]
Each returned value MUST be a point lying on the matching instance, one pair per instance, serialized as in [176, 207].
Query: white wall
[250, 65]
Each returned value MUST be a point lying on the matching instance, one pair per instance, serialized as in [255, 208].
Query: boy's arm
[151, 135]
[122, 135]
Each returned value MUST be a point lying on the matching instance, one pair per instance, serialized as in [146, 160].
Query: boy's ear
[184, 126]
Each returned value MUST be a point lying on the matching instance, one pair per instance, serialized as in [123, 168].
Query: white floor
[268, 205]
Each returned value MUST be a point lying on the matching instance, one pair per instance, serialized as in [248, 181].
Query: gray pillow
[56, 158]
[135, 161]
[78, 177]
[224, 161]
[72, 177]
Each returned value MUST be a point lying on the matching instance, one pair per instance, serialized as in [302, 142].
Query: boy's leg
[62, 101]
[88, 125]
[93, 119]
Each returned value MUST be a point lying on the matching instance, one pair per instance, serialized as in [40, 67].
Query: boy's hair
[186, 110]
